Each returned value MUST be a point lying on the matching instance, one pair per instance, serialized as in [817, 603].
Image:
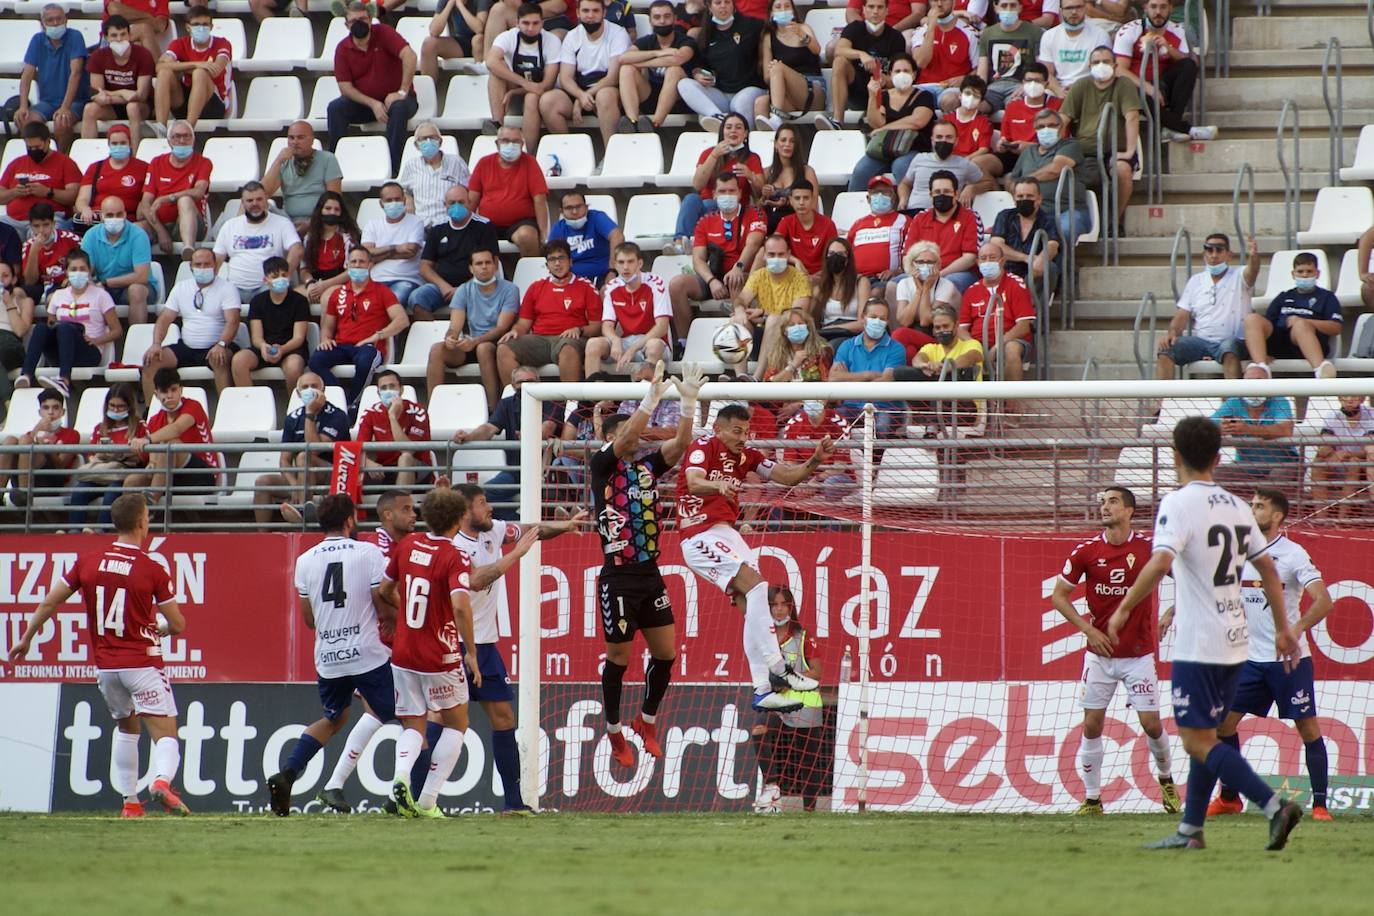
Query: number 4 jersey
[121, 588]
[337, 576]
[427, 570]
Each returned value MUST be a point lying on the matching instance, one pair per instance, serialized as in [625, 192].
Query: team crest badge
[1130, 561]
[623, 626]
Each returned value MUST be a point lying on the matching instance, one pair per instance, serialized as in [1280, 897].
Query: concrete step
[1267, 185]
[1225, 155]
[1313, 123]
[1155, 251]
[1073, 372]
[1106, 315]
[1354, 60]
[1268, 93]
[1073, 347]
[1121, 284]
[1305, 30]
[1201, 218]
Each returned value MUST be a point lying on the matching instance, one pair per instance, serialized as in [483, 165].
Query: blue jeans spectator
[402, 290]
[344, 111]
[869, 168]
[963, 279]
[1078, 221]
[87, 492]
[504, 488]
[63, 343]
[365, 359]
[425, 297]
[692, 210]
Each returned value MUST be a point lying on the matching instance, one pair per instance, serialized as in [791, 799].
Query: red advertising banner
[945, 607]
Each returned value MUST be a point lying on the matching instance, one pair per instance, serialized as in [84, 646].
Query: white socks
[1090, 766]
[166, 759]
[442, 759]
[760, 640]
[362, 733]
[124, 765]
[1159, 747]
[407, 749]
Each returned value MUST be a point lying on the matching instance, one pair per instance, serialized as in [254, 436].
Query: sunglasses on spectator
[1215, 247]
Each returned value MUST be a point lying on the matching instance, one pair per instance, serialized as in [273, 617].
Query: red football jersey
[166, 177]
[635, 312]
[1111, 570]
[1018, 119]
[375, 426]
[1017, 306]
[198, 432]
[387, 545]
[955, 53]
[697, 513]
[553, 306]
[360, 315]
[426, 570]
[121, 587]
[801, 427]
[183, 51]
[808, 245]
[971, 135]
[876, 241]
[729, 235]
[52, 258]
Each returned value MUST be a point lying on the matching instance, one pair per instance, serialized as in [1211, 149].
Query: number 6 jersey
[121, 588]
[337, 576]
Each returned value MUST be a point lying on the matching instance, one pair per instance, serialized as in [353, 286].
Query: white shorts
[420, 692]
[717, 554]
[144, 691]
[1101, 675]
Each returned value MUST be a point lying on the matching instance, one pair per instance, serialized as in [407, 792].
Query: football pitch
[697, 864]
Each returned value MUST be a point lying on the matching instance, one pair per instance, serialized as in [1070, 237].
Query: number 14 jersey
[121, 588]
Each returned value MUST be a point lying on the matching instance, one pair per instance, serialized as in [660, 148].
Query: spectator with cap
[1083, 107]
[591, 234]
[1014, 232]
[914, 189]
[1246, 419]
[42, 175]
[522, 65]
[395, 241]
[55, 59]
[121, 75]
[1004, 51]
[481, 312]
[865, 49]
[508, 188]
[876, 239]
[1300, 323]
[1064, 49]
[955, 228]
[445, 260]
[301, 173]
[121, 259]
[246, 241]
[1044, 161]
[148, 20]
[195, 73]
[359, 320]
[176, 192]
[426, 178]
[456, 30]
[119, 175]
[1178, 69]
[1215, 300]
[209, 309]
[725, 76]
[998, 290]
[375, 68]
[588, 73]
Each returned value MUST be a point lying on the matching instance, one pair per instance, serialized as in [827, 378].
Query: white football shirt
[484, 550]
[1211, 533]
[337, 576]
[1296, 572]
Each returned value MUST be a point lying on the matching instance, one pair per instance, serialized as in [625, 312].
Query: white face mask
[902, 81]
[1033, 89]
[120, 48]
[968, 100]
[1102, 71]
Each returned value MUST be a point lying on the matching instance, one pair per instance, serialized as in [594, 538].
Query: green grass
[657, 864]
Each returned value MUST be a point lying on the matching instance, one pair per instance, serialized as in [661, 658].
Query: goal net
[920, 564]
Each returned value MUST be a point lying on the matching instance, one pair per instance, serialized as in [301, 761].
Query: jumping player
[707, 510]
[1263, 681]
[1110, 563]
[336, 581]
[123, 590]
[1211, 534]
[632, 594]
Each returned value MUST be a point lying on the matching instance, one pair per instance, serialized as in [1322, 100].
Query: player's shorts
[1137, 675]
[1203, 693]
[420, 692]
[375, 686]
[141, 691]
[495, 678]
[1262, 684]
[717, 554]
[632, 601]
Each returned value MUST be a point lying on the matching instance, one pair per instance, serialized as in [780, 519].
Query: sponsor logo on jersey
[1180, 699]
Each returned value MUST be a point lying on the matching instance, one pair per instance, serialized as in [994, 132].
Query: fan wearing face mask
[1015, 231]
[395, 418]
[1246, 419]
[779, 286]
[1084, 105]
[1300, 323]
[945, 48]
[42, 175]
[588, 84]
[1215, 301]
[1018, 121]
[973, 128]
[375, 68]
[121, 75]
[53, 64]
[120, 175]
[80, 330]
[1005, 49]
[194, 73]
[591, 234]
[250, 239]
[914, 189]
[903, 116]
[121, 257]
[1064, 49]
[508, 189]
[1348, 462]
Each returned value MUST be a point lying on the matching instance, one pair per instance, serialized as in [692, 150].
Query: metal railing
[1068, 280]
[1245, 171]
[994, 316]
[1107, 130]
[1186, 238]
[1369, 20]
[1292, 181]
[1195, 14]
[1039, 245]
[1148, 305]
[1335, 115]
[1150, 144]
[1222, 43]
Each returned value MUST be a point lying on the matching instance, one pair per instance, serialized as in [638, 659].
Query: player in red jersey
[1110, 564]
[707, 509]
[429, 579]
[123, 590]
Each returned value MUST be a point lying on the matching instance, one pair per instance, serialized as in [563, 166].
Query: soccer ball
[731, 343]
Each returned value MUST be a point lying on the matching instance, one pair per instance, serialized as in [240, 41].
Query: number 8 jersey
[427, 570]
[1212, 533]
[121, 588]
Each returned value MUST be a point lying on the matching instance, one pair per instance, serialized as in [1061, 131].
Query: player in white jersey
[1204, 534]
[337, 581]
[483, 538]
[1263, 681]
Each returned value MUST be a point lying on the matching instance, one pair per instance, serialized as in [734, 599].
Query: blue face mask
[428, 148]
[775, 265]
[203, 276]
[1047, 136]
[797, 333]
[394, 209]
[576, 223]
[55, 32]
[989, 269]
[183, 152]
[1217, 270]
[723, 23]
[387, 395]
[945, 20]
[200, 34]
[881, 204]
[280, 284]
[307, 395]
[117, 415]
[1070, 27]
[457, 212]
[120, 152]
[875, 327]
[358, 274]
[1305, 284]
[1008, 18]
[783, 17]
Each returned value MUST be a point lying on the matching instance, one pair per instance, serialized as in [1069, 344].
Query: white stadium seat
[91, 411]
[235, 160]
[1363, 168]
[252, 465]
[273, 103]
[414, 29]
[990, 203]
[907, 477]
[337, 32]
[476, 465]
[455, 407]
[1339, 217]
[23, 410]
[426, 101]
[685, 155]
[668, 266]
[849, 207]
[572, 153]
[419, 339]
[1171, 410]
[137, 339]
[89, 29]
[365, 161]
[194, 393]
[245, 414]
[1348, 283]
[1280, 276]
[278, 144]
[152, 147]
[14, 41]
[761, 144]
[13, 150]
[369, 208]
[631, 161]
[651, 219]
[9, 87]
[833, 154]
[1146, 471]
[465, 104]
[86, 153]
[1353, 363]
[606, 204]
[527, 270]
[283, 44]
[326, 90]
[698, 346]
[232, 30]
[826, 23]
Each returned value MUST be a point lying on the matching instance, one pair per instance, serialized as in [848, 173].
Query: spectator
[1364, 265]
[277, 321]
[121, 75]
[772, 291]
[522, 63]
[864, 51]
[195, 74]
[427, 177]
[504, 488]
[835, 295]
[14, 325]
[913, 192]
[798, 354]
[80, 331]
[1251, 418]
[509, 189]
[870, 356]
[121, 259]
[903, 118]
[1018, 121]
[1346, 463]
[1042, 13]
[447, 254]
[148, 20]
[725, 76]
[465, 23]
[1004, 51]
[481, 311]
[180, 419]
[248, 240]
[1044, 160]
[375, 68]
[999, 290]
[945, 50]
[395, 242]
[635, 315]
[1083, 106]
[1217, 299]
[948, 346]
[808, 233]
[55, 59]
[1111, 11]
[588, 74]
[956, 229]
[50, 429]
[651, 71]
[331, 236]
[45, 253]
[210, 309]
[973, 131]
[663, 421]
[358, 320]
[901, 14]
[1064, 49]
[557, 316]
[1300, 323]
[876, 240]
[301, 173]
[1014, 232]
[176, 192]
[724, 246]
[101, 475]
[119, 175]
[42, 175]
[1178, 69]
[394, 418]
[791, 58]
[315, 421]
[730, 154]
[591, 235]
[919, 294]
[10, 248]
[787, 169]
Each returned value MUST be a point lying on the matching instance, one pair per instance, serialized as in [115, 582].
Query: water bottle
[846, 667]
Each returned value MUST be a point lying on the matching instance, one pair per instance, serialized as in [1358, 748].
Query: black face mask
[592, 27]
[255, 219]
[1351, 412]
[1025, 207]
[943, 203]
[944, 338]
[330, 219]
[360, 29]
[943, 149]
[663, 31]
[836, 262]
[38, 155]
